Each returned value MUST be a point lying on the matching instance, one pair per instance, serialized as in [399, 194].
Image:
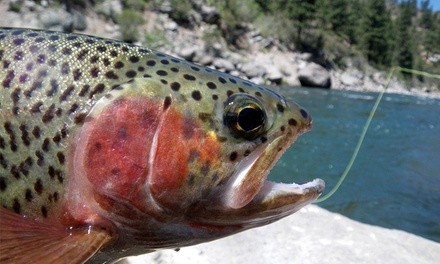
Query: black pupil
[250, 118]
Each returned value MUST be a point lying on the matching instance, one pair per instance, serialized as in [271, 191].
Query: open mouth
[249, 198]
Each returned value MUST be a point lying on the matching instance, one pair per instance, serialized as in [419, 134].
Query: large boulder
[314, 75]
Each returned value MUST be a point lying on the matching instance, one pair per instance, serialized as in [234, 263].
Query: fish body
[109, 149]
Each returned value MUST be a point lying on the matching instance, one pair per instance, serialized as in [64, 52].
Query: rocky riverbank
[311, 236]
[263, 60]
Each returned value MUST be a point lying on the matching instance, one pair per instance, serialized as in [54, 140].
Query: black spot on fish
[174, 69]
[3, 161]
[94, 59]
[134, 59]
[3, 184]
[229, 93]
[130, 74]
[53, 88]
[38, 186]
[222, 80]
[263, 139]
[99, 88]
[111, 75]
[61, 157]
[94, 72]
[161, 73]
[66, 93]
[79, 118]
[18, 56]
[84, 90]
[28, 195]
[106, 62]
[214, 97]
[82, 54]
[164, 81]
[67, 51]
[40, 158]
[232, 80]
[165, 62]
[44, 211]
[15, 172]
[23, 78]
[101, 49]
[292, 122]
[196, 95]
[167, 102]
[16, 206]
[258, 94]
[18, 41]
[119, 65]
[36, 132]
[8, 79]
[175, 86]
[189, 77]
[41, 59]
[49, 114]
[151, 63]
[233, 156]
[76, 74]
[25, 135]
[211, 85]
[303, 113]
[57, 138]
[194, 68]
[46, 145]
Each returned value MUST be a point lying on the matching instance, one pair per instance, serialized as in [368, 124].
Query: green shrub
[129, 21]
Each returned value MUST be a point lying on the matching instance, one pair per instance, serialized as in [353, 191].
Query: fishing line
[367, 125]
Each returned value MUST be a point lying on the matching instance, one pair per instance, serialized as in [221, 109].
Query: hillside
[317, 43]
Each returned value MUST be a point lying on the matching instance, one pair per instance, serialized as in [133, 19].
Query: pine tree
[375, 30]
[404, 45]
[300, 12]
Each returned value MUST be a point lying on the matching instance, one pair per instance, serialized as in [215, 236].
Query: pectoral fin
[24, 240]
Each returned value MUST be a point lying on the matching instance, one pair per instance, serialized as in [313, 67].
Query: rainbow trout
[109, 150]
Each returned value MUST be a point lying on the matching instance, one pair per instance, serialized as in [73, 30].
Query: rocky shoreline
[312, 235]
[263, 61]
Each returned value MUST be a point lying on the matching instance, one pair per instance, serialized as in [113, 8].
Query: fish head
[184, 159]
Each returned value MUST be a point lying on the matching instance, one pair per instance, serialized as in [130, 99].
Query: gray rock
[171, 26]
[209, 14]
[109, 9]
[274, 75]
[203, 58]
[226, 65]
[351, 78]
[306, 56]
[314, 75]
[79, 20]
[251, 70]
[54, 18]
[187, 53]
[311, 236]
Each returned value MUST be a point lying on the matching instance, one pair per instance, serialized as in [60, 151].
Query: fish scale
[110, 149]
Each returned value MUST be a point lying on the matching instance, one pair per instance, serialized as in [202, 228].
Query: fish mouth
[249, 199]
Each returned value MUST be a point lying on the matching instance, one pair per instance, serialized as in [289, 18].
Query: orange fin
[23, 240]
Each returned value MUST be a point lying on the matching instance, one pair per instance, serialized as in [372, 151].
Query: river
[395, 181]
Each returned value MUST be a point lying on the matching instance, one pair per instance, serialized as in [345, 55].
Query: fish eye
[245, 116]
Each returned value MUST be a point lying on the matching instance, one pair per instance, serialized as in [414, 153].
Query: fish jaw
[249, 200]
